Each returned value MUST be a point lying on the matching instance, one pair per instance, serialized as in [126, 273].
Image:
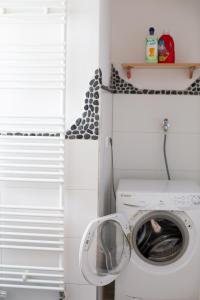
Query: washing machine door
[105, 249]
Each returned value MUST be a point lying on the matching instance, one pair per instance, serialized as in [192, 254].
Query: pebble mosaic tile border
[87, 126]
[56, 134]
[120, 86]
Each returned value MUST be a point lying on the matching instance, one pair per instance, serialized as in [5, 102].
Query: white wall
[105, 203]
[81, 156]
[105, 109]
[131, 20]
[81, 202]
[88, 163]
[105, 40]
[82, 53]
[137, 132]
[106, 112]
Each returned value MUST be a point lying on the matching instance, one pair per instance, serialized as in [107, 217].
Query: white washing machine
[151, 246]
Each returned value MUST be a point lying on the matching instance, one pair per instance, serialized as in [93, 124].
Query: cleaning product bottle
[166, 49]
[151, 47]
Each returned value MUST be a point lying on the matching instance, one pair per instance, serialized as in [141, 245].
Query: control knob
[196, 200]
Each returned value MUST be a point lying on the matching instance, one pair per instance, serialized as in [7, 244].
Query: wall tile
[73, 272]
[33, 258]
[136, 120]
[80, 209]
[17, 294]
[143, 151]
[105, 153]
[154, 174]
[77, 292]
[81, 164]
[137, 151]
[146, 113]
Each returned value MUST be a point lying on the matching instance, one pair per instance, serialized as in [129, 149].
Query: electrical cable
[165, 157]
[112, 168]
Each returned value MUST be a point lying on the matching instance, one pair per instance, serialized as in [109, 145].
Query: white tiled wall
[26, 294]
[105, 204]
[131, 20]
[81, 202]
[138, 136]
[79, 205]
[80, 292]
[137, 133]
[106, 113]
[105, 39]
[82, 53]
[81, 156]
[80, 165]
[106, 109]
[73, 273]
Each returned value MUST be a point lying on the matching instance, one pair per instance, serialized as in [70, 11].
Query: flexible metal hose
[165, 157]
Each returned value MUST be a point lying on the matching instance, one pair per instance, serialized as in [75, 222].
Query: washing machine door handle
[105, 250]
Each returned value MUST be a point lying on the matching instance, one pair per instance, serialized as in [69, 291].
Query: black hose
[112, 167]
[165, 157]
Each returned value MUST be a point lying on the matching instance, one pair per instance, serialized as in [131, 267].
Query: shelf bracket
[191, 71]
[129, 72]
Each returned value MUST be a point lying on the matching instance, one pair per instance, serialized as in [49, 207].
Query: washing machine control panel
[187, 201]
[161, 201]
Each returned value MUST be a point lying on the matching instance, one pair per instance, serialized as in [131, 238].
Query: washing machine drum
[160, 239]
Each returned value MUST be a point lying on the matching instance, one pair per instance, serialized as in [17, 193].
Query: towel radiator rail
[33, 159]
[32, 66]
[32, 150]
[32, 12]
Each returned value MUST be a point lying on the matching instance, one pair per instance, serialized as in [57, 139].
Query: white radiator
[32, 161]
[32, 136]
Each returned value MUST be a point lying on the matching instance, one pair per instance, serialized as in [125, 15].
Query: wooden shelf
[128, 67]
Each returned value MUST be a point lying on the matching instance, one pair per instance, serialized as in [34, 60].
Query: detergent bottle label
[166, 51]
[163, 51]
[151, 50]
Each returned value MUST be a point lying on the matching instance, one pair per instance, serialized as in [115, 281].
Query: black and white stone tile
[56, 134]
[87, 126]
[120, 86]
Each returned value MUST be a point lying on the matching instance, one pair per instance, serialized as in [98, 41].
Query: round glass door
[112, 247]
[160, 238]
[105, 252]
